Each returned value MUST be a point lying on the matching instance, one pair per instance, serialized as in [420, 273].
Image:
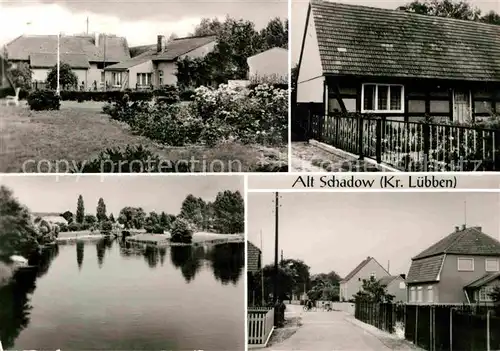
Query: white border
[245, 307]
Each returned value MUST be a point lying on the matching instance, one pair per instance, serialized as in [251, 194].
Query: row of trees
[236, 41]
[224, 215]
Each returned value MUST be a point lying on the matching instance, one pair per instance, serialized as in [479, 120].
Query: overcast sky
[336, 231]
[299, 12]
[152, 193]
[139, 21]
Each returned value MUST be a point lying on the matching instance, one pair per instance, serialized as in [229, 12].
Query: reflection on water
[21, 300]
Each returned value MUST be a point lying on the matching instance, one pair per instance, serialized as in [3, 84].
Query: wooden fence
[437, 327]
[409, 146]
[260, 326]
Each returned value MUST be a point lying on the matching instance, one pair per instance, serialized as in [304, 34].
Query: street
[327, 331]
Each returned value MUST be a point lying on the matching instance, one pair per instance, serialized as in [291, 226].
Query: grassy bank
[200, 237]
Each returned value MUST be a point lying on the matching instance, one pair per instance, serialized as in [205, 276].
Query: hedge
[23, 94]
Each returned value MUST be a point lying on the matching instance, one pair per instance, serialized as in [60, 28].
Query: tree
[458, 9]
[300, 273]
[80, 210]
[101, 210]
[21, 75]
[172, 37]
[106, 227]
[491, 17]
[182, 230]
[132, 217]
[90, 220]
[373, 291]
[111, 218]
[194, 209]
[68, 216]
[229, 212]
[207, 26]
[67, 78]
[17, 232]
[275, 34]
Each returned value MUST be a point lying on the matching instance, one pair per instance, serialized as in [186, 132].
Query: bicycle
[309, 309]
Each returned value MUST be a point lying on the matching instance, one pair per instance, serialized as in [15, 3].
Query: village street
[332, 331]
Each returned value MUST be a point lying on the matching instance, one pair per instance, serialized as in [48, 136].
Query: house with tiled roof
[463, 267]
[156, 65]
[353, 282]
[254, 265]
[86, 54]
[397, 65]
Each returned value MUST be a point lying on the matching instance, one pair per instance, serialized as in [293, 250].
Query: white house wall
[93, 74]
[169, 69]
[273, 62]
[145, 67]
[40, 75]
[356, 282]
[310, 80]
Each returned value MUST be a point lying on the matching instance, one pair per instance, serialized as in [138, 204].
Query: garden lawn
[39, 141]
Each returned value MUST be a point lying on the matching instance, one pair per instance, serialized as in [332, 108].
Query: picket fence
[260, 326]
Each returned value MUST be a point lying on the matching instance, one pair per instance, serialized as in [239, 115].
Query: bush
[168, 94]
[182, 231]
[44, 100]
[74, 227]
[23, 93]
[106, 227]
[155, 229]
[131, 159]
[187, 95]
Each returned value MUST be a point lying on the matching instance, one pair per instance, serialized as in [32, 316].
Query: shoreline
[162, 240]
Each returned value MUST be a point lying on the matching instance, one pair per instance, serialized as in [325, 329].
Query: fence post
[426, 136]
[430, 329]
[416, 325]
[337, 128]
[320, 126]
[378, 141]
[360, 136]
[488, 346]
[451, 329]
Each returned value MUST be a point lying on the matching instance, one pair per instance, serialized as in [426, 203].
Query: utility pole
[104, 62]
[87, 25]
[465, 213]
[58, 88]
[275, 291]
[262, 272]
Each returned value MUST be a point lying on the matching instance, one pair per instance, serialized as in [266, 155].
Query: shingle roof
[485, 279]
[365, 41]
[425, 269]
[181, 46]
[50, 60]
[134, 61]
[468, 241]
[114, 48]
[358, 268]
[253, 257]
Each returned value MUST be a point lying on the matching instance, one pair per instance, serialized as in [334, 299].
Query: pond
[110, 295]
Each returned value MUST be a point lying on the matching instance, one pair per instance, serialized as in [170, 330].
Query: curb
[345, 154]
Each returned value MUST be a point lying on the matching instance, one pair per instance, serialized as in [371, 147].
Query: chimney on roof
[161, 43]
[464, 227]
[457, 228]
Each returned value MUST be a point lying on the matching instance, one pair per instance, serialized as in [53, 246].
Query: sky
[152, 193]
[299, 13]
[336, 231]
[139, 21]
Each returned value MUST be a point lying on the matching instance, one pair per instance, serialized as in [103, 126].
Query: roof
[366, 41]
[425, 269]
[113, 48]
[50, 60]
[134, 61]
[181, 46]
[468, 241]
[384, 281]
[253, 257]
[485, 279]
[267, 51]
[358, 268]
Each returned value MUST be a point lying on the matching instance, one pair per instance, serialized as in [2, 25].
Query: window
[413, 294]
[430, 294]
[117, 78]
[484, 294]
[492, 265]
[420, 294]
[465, 264]
[382, 98]
[143, 79]
[160, 77]
[402, 285]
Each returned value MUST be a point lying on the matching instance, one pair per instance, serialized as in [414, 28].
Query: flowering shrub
[258, 115]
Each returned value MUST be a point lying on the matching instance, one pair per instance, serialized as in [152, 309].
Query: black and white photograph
[164, 86]
[122, 263]
[374, 271]
[395, 85]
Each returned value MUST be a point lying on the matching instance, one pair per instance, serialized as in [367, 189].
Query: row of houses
[461, 268]
[104, 61]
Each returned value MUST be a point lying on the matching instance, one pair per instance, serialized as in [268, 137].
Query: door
[461, 105]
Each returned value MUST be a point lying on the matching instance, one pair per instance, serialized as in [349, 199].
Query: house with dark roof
[156, 65]
[463, 267]
[397, 65]
[352, 283]
[254, 257]
[86, 54]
